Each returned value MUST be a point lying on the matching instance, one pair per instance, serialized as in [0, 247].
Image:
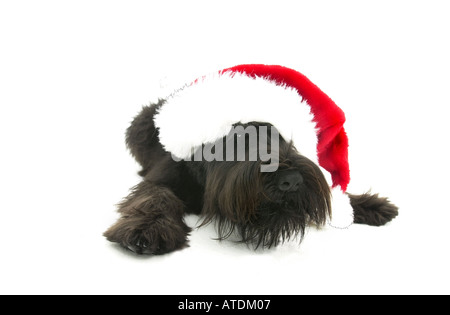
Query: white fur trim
[342, 216]
[205, 111]
[342, 210]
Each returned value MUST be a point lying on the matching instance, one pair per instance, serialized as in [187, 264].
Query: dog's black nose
[290, 181]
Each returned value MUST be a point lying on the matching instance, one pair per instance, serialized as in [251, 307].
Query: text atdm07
[225, 305]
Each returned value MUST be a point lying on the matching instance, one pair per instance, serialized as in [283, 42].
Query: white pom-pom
[342, 215]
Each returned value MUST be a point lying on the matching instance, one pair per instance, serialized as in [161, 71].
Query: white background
[74, 73]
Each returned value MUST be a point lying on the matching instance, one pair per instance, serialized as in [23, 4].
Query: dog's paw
[155, 238]
[372, 210]
[154, 241]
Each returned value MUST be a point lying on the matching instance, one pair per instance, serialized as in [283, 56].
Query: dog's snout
[290, 181]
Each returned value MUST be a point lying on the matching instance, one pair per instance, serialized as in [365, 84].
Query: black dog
[265, 209]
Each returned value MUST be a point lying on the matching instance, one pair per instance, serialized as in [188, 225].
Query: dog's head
[262, 188]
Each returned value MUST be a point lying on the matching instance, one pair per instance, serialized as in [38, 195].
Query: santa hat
[206, 109]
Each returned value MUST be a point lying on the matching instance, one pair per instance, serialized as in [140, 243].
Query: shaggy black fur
[372, 210]
[236, 196]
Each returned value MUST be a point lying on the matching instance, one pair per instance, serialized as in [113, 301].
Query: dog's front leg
[151, 221]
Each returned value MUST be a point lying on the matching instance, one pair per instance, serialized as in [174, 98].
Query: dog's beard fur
[239, 198]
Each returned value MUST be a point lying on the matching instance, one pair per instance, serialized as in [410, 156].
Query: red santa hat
[206, 109]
